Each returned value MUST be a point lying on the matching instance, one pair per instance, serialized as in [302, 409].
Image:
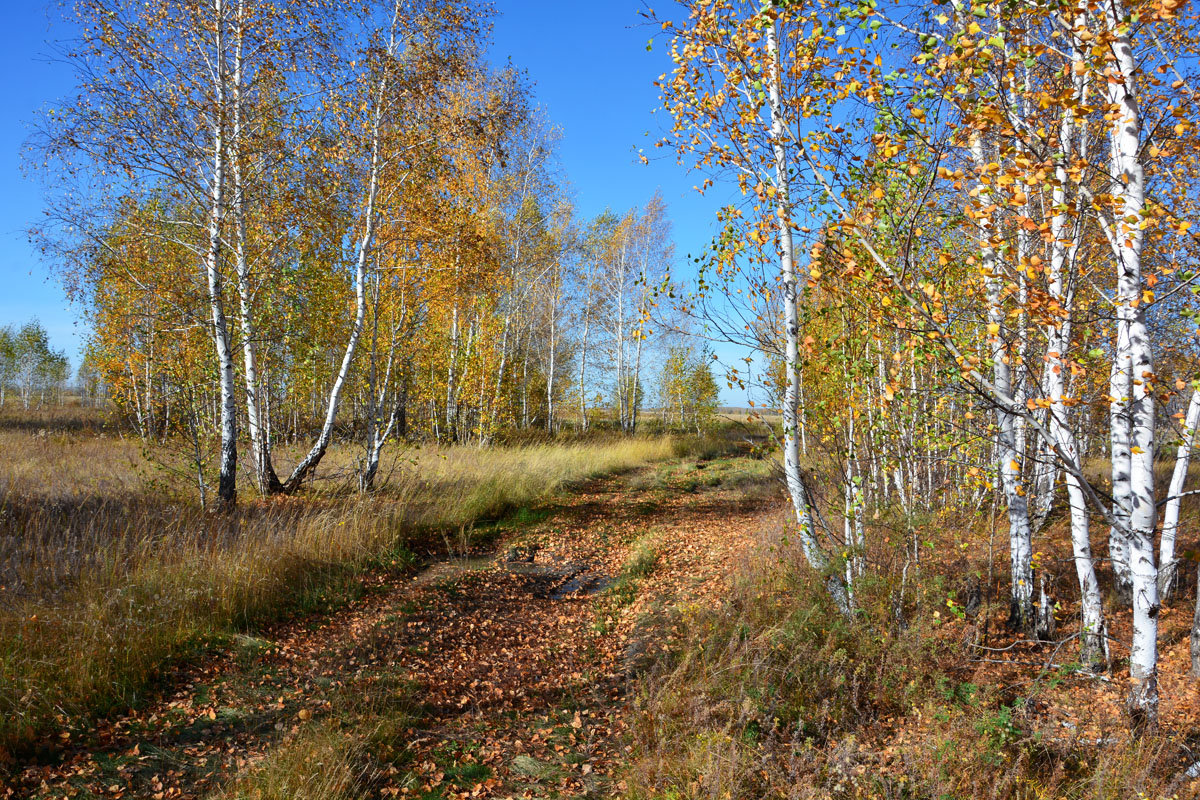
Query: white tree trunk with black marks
[1126, 236]
[1170, 526]
[364, 251]
[801, 505]
[227, 480]
[1007, 453]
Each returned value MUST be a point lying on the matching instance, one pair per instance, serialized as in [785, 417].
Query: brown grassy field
[111, 572]
[109, 569]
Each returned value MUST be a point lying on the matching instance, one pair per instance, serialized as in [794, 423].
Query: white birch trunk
[364, 249]
[1183, 457]
[1195, 642]
[1120, 390]
[620, 331]
[583, 352]
[813, 551]
[1063, 249]
[1019, 534]
[494, 416]
[553, 345]
[227, 481]
[451, 372]
[1128, 188]
[264, 471]
[636, 381]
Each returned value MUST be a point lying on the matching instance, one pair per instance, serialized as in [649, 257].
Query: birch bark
[227, 480]
[1170, 526]
[260, 446]
[1092, 639]
[364, 249]
[801, 506]
[1063, 250]
[1128, 192]
[1019, 534]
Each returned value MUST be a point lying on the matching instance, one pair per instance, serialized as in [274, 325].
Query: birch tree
[737, 98]
[150, 76]
[1134, 352]
[406, 62]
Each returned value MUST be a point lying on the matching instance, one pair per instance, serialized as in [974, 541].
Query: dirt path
[492, 678]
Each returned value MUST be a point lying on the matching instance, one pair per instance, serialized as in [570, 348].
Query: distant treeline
[31, 369]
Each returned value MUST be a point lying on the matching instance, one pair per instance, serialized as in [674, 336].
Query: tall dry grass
[106, 575]
[775, 694]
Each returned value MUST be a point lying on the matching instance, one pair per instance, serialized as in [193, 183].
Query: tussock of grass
[642, 558]
[485, 484]
[531, 767]
[775, 665]
[102, 586]
[754, 479]
[342, 756]
[323, 763]
[712, 444]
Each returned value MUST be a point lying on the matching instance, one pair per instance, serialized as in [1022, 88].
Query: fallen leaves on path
[521, 685]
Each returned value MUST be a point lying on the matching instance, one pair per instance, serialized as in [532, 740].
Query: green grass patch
[639, 565]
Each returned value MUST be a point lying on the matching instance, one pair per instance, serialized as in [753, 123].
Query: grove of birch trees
[301, 223]
[964, 243]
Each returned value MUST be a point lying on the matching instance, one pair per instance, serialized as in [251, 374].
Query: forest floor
[505, 670]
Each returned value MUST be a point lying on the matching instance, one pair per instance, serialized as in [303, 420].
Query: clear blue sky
[589, 66]
[26, 289]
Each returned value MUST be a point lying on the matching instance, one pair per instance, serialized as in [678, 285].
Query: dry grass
[106, 574]
[774, 694]
[323, 763]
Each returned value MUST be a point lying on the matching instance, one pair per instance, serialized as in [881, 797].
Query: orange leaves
[765, 191]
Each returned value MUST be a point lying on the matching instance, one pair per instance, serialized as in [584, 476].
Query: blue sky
[26, 290]
[590, 69]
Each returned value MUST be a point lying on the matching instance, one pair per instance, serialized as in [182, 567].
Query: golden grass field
[109, 569]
